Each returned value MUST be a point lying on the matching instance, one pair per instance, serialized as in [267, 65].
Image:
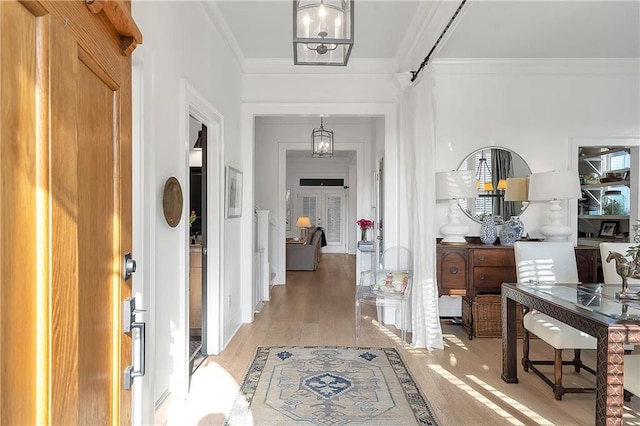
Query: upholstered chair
[550, 263]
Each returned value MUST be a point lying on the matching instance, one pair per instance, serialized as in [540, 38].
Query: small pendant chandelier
[321, 142]
[322, 32]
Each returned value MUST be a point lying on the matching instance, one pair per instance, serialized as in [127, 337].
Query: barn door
[65, 145]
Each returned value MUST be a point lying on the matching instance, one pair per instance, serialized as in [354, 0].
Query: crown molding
[220, 26]
[620, 66]
[285, 66]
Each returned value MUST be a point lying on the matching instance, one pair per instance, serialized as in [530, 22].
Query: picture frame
[287, 200]
[233, 192]
[608, 228]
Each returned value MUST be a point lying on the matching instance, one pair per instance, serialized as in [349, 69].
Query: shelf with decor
[606, 189]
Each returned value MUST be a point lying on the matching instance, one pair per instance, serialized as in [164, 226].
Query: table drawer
[494, 257]
[492, 277]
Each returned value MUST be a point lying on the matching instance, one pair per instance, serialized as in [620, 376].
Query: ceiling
[385, 29]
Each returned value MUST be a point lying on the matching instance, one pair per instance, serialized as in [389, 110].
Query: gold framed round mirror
[502, 180]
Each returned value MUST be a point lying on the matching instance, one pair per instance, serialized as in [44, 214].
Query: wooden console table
[476, 269]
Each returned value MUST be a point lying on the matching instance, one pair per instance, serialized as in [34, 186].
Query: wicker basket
[487, 316]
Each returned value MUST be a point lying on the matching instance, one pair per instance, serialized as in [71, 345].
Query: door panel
[65, 144]
[19, 270]
[334, 219]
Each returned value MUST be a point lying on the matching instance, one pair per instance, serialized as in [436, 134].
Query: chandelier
[322, 32]
[483, 175]
[321, 142]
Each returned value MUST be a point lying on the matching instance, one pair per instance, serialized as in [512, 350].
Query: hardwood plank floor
[462, 382]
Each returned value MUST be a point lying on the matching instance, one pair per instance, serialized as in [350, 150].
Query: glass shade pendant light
[321, 142]
[322, 32]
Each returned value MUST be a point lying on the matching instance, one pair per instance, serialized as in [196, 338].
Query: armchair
[305, 257]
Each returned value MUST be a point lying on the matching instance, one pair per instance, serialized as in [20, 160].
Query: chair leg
[558, 390]
[525, 349]
[403, 325]
[577, 362]
[357, 319]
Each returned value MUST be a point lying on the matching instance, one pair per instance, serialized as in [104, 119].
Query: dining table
[594, 309]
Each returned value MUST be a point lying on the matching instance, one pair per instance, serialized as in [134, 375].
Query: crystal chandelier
[321, 142]
[322, 32]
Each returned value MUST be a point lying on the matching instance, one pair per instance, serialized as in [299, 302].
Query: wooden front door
[65, 216]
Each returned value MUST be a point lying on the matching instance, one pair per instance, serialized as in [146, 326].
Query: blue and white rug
[329, 386]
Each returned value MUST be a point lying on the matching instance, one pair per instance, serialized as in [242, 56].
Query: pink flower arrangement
[365, 224]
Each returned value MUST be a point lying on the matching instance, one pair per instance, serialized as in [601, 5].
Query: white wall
[533, 108]
[180, 43]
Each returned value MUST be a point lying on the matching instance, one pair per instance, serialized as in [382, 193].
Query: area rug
[329, 386]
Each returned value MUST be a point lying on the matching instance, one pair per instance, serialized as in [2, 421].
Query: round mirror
[502, 180]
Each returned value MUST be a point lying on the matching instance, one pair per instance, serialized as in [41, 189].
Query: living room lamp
[454, 185]
[322, 32]
[555, 187]
[303, 223]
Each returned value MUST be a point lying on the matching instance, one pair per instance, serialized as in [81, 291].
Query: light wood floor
[462, 382]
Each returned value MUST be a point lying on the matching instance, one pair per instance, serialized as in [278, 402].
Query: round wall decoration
[172, 202]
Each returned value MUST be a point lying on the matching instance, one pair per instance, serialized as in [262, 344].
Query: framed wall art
[233, 193]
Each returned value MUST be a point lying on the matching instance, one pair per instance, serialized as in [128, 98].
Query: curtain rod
[414, 74]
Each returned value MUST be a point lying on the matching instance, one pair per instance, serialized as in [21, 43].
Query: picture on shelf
[608, 229]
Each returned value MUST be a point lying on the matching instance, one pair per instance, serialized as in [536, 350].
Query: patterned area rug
[329, 386]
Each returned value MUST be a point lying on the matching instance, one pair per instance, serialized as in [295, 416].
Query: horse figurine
[625, 268]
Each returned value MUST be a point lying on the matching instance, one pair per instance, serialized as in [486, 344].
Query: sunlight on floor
[475, 394]
[511, 402]
[212, 393]
[451, 339]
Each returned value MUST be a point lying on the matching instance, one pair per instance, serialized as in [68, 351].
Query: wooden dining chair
[550, 263]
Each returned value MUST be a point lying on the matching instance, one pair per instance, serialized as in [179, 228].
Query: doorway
[197, 241]
[326, 208]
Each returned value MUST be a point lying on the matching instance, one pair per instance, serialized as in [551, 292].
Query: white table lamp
[452, 186]
[555, 187]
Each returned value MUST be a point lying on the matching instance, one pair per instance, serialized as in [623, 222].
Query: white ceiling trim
[285, 66]
[220, 26]
[539, 66]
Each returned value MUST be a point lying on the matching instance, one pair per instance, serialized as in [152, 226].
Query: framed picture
[233, 192]
[287, 200]
[608, 228]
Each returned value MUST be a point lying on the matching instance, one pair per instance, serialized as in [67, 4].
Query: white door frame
[143, 237]
[193, 104]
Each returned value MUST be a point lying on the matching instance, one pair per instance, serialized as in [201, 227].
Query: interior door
[326, 209]
[65, 145]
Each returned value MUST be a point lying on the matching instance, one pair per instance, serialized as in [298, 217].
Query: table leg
[609, 378]
[509, 341]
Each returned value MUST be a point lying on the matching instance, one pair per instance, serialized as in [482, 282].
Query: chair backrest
[396, 258]
[545, 262]
[609, 268]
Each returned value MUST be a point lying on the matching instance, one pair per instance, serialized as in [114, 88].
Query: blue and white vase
[517, 226]
[488, 230]
[508, 235]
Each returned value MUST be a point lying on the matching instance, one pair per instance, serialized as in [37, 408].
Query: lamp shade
[517, 189]
[563, 185]
[303, 222]
[455, 184]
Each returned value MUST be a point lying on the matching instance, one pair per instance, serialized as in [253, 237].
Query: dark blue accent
[327, 385]
[368, 356]
[284, 355]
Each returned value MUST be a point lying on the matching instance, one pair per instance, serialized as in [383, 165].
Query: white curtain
[417, 150]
